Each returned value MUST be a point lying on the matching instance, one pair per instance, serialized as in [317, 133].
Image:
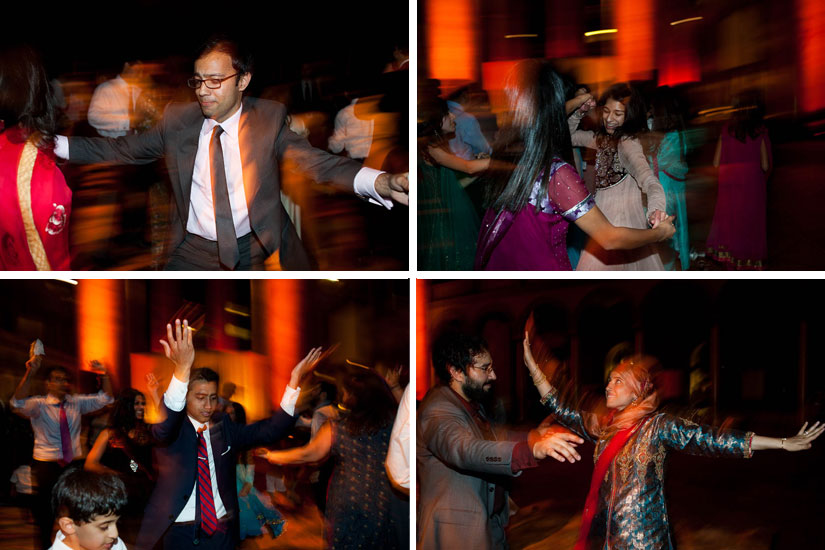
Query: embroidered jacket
[632, 513]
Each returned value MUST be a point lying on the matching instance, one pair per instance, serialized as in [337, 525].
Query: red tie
[209, 519]
[65, 438]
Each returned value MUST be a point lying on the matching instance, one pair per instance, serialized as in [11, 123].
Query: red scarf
[605, 459]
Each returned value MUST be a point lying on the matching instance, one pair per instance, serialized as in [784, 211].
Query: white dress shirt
[60, 545]
[44, 413]
[351, 133]
[398, 456]
[175, 400]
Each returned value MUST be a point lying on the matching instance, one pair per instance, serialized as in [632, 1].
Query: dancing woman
[623, 178]
[34, 197]
[447, 219]
[533, 194]
[626, 501]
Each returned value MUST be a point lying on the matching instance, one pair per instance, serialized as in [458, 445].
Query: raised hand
[33, 364]
[152, 383]
[529, 361]
[560, 445]
[179, 348]
[802, 440]
[305, 366]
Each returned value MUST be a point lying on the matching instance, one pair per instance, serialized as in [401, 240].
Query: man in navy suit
[187, 510]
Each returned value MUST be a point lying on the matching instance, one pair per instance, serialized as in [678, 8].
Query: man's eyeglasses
[211, 83]
[488, 370]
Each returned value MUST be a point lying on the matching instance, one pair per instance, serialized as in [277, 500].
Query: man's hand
[395, 187]
[33, 364]
[305, 366]
[179, 349]
[560, 445]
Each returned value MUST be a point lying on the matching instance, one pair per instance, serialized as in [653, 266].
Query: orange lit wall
[451, 39]
[278, 303]
[422, 352]
[635, 20]
[99, 324]
[812, 53]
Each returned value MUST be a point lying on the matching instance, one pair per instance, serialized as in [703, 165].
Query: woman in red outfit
[35, 201]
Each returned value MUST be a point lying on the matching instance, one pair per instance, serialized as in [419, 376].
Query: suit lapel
[187, 150]
[251, 142]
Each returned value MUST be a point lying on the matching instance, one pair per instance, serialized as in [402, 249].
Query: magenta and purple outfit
[535, 238]
[738, 237]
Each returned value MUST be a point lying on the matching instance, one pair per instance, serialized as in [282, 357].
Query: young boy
[87, 506]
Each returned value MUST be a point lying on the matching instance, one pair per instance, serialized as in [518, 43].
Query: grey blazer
[457, 471]
[266, 142]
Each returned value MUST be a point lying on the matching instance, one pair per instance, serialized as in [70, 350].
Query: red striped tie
[209, 519]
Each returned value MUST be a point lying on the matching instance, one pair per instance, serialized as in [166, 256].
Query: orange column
[278, 317]
[635, 20]
[451, 39]
[99, 327]
[812, 54]
[422, 351]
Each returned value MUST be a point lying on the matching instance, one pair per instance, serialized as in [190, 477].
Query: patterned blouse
[632, 513]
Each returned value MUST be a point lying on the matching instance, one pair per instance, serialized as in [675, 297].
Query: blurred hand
[179, 349]
[531, 364]
[395, 187]
[34, 363]
[666, 227]
[152, 383]
[657, 217]
[305, 366]
[97, 366]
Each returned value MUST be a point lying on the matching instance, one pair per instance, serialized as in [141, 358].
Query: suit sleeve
[297, 155]
[264, 432]
[134, 149]
[447, 435]
[167, 430]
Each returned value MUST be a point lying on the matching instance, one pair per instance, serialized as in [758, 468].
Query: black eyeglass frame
[195, 83]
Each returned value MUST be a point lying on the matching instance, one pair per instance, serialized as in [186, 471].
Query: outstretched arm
[800, 442]
[610, 237]
[455, 162]
[316, 450]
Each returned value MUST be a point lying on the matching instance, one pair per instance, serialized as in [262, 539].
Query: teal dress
[670, 167]
[447, 221]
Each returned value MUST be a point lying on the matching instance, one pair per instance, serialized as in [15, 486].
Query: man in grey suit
[463, 460]
[223, 155]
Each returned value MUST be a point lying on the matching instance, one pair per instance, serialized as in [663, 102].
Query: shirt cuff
[61, 147]
[364, 186]
[290, 399]
[522, 457]
[175, 396]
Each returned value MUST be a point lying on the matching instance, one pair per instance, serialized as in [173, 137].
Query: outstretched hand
[802, 440]
[529, 361]
[306, 365]
[179, 349]
[560, 445]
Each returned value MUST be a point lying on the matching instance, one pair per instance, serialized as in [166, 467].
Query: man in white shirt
[114, 102]
[55, 420]
[195, 502]
[224, 155]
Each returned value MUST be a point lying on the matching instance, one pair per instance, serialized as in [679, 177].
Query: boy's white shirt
[60, 545]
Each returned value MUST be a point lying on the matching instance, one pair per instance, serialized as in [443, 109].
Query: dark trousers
[182, 537]
[198, 254]
[46, 474]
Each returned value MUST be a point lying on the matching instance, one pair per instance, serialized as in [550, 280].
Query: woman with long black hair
[532, 192]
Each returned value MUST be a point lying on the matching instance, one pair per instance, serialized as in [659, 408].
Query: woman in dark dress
[124, 448]
[359, 499]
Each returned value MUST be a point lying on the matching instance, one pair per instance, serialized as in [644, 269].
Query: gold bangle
[537, 381]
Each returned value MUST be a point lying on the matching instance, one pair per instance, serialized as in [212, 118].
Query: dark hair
[456, 350]
[536, 97]
[26, 96]
[370, 403]
[431, 113]
[635, 117]
[748, 113]
[203, 374]
[82, 495]
[56, 368]
[123, 416]
[242, 61]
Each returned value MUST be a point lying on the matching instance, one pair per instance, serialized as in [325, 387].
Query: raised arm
[316, 450]
[179, 349]
[24, 387]
[580, 138]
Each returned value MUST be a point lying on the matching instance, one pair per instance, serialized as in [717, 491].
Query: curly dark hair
[123, 415]
[635, 118]
[369, 402]
[456, 350]
[27, 99]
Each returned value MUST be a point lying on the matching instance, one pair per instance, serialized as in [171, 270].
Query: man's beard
[476, 392]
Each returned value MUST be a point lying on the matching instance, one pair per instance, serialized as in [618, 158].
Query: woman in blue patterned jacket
[625, 507]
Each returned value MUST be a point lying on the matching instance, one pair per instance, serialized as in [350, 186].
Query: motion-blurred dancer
[223, 156]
